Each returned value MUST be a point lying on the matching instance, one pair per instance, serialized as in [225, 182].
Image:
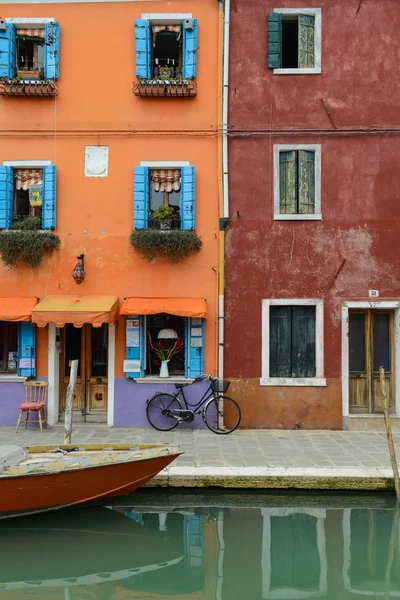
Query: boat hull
[34, 493]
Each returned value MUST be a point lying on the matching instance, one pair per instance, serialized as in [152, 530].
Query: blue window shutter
[143, 48]
[52, 51]
[27, 348]
[6, 197]
[190, 43]
[141, 199]
[274, 40]
[8, 62]
[49, 197]
[138, 352]
[188, 198]
[196, 348]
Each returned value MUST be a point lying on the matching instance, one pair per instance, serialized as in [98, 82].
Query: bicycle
[221, 414]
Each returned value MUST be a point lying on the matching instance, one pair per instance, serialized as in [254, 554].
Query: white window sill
[313, 71]
[11, 378]
[297, 217]
[294, 381]
[157, 379]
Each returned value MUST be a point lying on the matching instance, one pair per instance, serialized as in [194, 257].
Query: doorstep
[372, 423]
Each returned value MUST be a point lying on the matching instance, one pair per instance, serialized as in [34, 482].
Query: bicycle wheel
[156, 411]
[222, 415]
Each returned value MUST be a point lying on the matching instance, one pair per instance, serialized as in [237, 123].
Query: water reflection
[212, 546]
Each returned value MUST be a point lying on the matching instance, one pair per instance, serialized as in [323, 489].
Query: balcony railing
[156, 88]
[31, 87]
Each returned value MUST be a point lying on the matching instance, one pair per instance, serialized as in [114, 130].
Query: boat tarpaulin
[76, 310]
[17, 308]
[181, 307]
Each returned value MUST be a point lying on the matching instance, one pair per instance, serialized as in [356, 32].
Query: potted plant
[165, 354]
[164, 217]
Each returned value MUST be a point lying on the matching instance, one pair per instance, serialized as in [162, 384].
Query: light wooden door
[371, 345]
[90, 346]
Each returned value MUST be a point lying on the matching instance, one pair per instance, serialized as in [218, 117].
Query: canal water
[209, 545]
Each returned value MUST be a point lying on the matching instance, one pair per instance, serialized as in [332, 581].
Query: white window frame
[166, 18]
[319, 379]
[317, 215]
[316, 13]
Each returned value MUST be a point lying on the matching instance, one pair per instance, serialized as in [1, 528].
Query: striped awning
[173, 28]
[37, 33]
[166, 180]
[24, 178]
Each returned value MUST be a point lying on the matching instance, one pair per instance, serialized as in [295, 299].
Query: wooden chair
[35, 402]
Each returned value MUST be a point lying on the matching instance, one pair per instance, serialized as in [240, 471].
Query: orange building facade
[109, 118]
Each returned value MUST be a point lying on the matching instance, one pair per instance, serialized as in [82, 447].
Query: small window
[30, 53]
[165, 199]
[294, 41]
[166, 51]
[166, 331]
[8, 347]
[28, 193]
[297, 182]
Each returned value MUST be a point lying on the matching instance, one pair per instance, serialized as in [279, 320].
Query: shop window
[165, 198]
[166, 332]
[8, 347]
[294, 41]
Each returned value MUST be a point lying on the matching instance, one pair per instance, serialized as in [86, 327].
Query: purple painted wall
[131, 397]
[11, 396]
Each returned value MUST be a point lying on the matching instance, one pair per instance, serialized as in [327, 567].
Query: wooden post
[70, 398]
[392, 450]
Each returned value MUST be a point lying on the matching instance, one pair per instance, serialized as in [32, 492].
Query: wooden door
[90, 346]
[371, 345]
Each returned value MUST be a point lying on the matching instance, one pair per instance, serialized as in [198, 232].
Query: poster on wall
[131, 366]
[26, 363]
[132, 333]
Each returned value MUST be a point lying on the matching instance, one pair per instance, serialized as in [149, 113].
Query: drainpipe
[224, 192]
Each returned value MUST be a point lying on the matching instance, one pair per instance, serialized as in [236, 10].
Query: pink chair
[35, 402]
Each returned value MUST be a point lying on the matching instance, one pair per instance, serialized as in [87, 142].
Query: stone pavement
[248, 458]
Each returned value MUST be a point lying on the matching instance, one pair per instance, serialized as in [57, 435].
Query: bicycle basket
[221, 386]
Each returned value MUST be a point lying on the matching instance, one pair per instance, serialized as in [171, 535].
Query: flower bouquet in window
[164, 352]
[163, 217]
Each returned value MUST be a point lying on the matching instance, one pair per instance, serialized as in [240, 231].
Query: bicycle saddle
[181, 385]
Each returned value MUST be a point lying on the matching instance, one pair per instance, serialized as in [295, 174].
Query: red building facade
[312, 275]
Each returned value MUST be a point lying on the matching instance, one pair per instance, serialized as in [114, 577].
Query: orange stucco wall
[96, 106]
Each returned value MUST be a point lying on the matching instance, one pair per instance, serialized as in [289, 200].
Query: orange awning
[77, 310]
[17, 308]
[181, 307]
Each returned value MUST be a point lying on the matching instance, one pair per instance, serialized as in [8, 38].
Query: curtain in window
[31, 33]
[24, 178]
[166, 180]
[173, 28]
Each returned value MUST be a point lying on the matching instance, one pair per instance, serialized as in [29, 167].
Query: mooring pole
[69, 403]
[388, 426]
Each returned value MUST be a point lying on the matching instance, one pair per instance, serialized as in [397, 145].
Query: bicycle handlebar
[203, 377]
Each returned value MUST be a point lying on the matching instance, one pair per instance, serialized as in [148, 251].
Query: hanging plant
[25, 241]
[174, 245]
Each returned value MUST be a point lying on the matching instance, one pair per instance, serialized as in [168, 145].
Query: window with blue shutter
[6, 197]
[136, 345]
[8, 62]
[26, 349]
[141, 197]
[143, 48]
[189, 54]
[194, 347]
[188, 195]
[52, 51]
[49, 197]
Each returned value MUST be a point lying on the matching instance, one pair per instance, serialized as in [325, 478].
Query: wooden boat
[43, 478]
[84, 547]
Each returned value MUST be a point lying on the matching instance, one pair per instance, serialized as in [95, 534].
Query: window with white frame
[292, 342]
[294, 41]
[297, 182]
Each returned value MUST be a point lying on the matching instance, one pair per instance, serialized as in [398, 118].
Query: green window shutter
[274, 40]
[306, 182]
[280, 340]
[303, 341]
[288, 182]
[306, 41]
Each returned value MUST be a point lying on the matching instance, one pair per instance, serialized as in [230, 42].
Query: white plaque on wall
[131, 366]
[96, 161]
[196, 331]
[373, 293]
[196, 342]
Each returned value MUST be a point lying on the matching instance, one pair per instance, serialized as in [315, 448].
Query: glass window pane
[381, 342]
[357, 342]
[99, 351]
[73, 336]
